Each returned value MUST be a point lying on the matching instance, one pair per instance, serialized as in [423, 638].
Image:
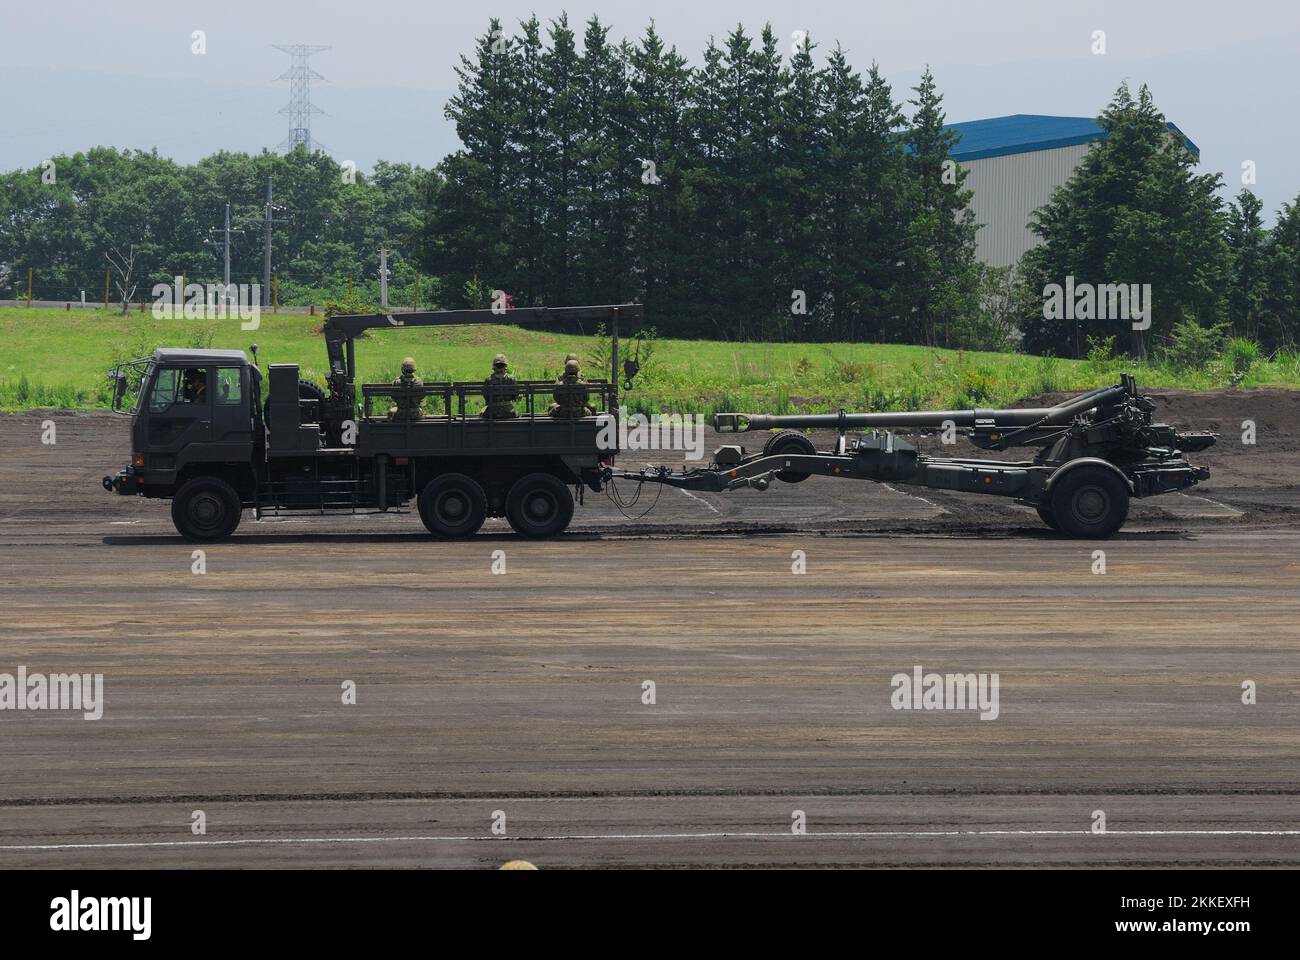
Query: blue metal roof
[1027, 132]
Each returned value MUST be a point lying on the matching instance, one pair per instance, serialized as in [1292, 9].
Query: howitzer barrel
[1061, 414]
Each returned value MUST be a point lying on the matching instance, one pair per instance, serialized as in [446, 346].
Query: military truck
[208, 434]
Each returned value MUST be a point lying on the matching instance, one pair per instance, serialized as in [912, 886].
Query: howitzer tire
[311, 403]
[1089, 502]
[539, 505]
[789, 441]
[206, 509]
[452, 506]
[1045, 514]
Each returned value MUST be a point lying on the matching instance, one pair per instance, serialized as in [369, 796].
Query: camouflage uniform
[406, 404]
[500, 391]
[571, 394]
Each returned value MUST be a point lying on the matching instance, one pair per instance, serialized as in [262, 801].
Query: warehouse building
[1013, 165]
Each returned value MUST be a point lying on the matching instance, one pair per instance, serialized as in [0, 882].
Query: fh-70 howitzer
[1096, 451]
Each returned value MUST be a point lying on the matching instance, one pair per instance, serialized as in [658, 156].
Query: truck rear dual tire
[452, 506]
[206, 509]
[1089, 502]
[539, 505]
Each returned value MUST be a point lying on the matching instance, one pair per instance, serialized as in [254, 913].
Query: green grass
[53, 358]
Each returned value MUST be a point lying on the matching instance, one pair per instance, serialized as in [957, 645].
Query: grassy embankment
[53, 358]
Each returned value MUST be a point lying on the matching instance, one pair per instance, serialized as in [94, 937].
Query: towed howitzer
[1096, 452]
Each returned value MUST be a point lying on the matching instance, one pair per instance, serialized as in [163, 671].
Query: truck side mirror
[119, 388]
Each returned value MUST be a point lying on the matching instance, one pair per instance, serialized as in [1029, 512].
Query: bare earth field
[518, 697]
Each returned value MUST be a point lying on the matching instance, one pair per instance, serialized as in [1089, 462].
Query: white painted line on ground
[1222, 506]
[915, 497]
[742, 835]
[701, 500]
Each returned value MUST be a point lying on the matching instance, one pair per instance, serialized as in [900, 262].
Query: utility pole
[270, 220]
[266, 250]
[383, 277]
[225, 274]
[224, 232]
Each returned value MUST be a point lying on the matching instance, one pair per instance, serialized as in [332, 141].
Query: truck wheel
[789, 441]
[1089, 502]
[1045, 514]
[539, 505]
[206, 508]
[452, 506]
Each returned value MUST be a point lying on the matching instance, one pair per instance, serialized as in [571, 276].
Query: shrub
[1192, 347]
[1240, 356]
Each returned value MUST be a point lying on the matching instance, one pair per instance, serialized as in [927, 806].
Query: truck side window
[194, 386]
[230, 391]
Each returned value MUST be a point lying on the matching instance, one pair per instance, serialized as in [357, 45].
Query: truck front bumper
[124, 482]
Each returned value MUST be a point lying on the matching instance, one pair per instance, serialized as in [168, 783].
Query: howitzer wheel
[789, 441]
[452, 506]
[1045, 514]
[1089, 502]
[311, 403]
[539, 505]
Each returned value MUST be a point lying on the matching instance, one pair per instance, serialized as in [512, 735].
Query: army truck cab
[208, 435]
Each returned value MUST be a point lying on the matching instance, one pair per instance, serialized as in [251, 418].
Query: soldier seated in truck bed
[500, 391]
[406, 404]
[572, 398]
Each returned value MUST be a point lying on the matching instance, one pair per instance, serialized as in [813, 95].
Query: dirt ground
[517, 701]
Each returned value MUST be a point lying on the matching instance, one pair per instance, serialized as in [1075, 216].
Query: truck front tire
[206, 509]
[453, 506]
[539, 505]
[1089, 502]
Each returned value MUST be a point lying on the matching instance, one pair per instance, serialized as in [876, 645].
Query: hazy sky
[78, 73]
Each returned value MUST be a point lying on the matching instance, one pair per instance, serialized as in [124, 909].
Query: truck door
[232, 417]
[180, 409]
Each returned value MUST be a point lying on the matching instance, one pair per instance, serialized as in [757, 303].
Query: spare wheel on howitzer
[539, 505]
[1089, 501]
[206, 508]
[452, 506]
[311, 403]
[788, 441]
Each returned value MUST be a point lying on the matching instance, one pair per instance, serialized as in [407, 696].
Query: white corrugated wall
[1007, 191]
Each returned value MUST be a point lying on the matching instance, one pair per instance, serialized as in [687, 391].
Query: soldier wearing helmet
[500, 391]
[571, 393]
[406, 402]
